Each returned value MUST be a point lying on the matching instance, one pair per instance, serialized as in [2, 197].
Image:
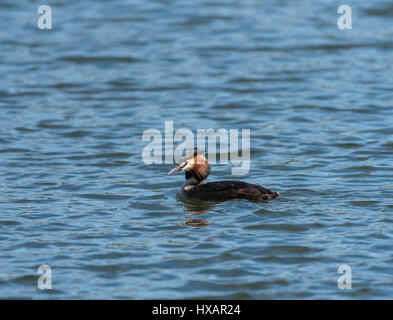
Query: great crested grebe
[197, 169]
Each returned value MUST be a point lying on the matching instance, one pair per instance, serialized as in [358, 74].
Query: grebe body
[197, 169]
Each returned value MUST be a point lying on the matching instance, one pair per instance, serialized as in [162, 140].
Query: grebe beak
[178, 168]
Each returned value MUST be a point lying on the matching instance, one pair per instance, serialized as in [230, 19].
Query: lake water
[76, 195]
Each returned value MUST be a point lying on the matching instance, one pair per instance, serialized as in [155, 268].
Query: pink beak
[178, 168]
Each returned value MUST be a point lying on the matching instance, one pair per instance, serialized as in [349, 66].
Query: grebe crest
[196, 168]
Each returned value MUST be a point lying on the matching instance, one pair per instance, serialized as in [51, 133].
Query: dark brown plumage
[226, 190]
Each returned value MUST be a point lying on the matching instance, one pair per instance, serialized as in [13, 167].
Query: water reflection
[195, 208]
[196, 223]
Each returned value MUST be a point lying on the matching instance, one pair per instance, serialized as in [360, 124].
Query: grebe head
[195, 166]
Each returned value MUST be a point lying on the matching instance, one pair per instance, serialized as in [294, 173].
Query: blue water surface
[76, 195]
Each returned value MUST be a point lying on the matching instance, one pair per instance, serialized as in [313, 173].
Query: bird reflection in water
[194, 209]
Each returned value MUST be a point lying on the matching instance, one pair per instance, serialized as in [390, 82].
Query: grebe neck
[191, 182]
